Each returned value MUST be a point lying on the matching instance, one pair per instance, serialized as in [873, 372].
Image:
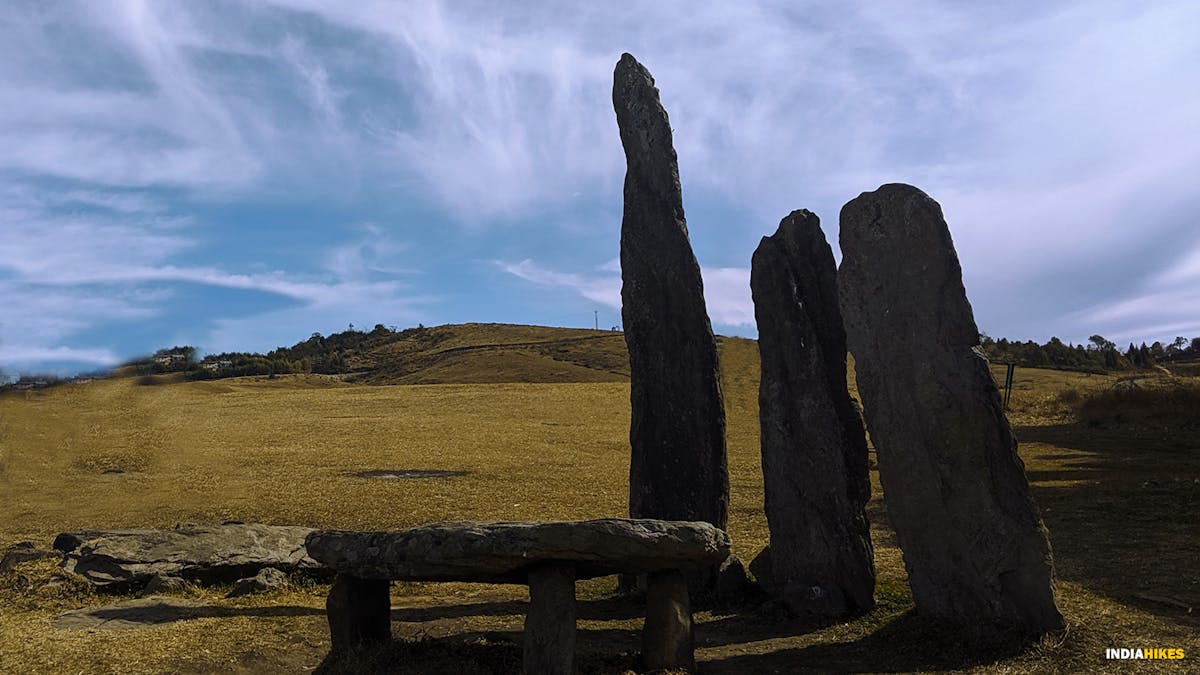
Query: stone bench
[549, 557]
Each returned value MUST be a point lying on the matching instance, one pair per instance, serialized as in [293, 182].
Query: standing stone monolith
[814, 451]
[677, 429]
[974, 544]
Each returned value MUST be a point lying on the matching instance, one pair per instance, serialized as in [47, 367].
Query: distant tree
[1112, 359]
[1156, 351]
[1195, 348]
[1101, 343]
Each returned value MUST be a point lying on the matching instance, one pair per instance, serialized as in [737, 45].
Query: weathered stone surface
[505, 552]
[955, 488]
[23, 552]
[814, 450]
[220, 553]
[162, 583]
[677, 431]
[268, 579]
[667, 640]
[359, 612]
[732, 582]
[550, 622]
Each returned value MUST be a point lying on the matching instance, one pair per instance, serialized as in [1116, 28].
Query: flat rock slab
[132, 614]
[505, 552]
[221, 553]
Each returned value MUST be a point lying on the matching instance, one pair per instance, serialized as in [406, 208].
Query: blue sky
[238, 175]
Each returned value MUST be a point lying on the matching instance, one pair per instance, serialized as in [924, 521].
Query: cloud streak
[726, 289]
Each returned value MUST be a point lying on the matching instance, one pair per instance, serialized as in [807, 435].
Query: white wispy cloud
[604, 289]
[65, 272]
[1058, 138]
[726, 289]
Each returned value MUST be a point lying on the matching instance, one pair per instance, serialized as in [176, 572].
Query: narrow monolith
[814, 451]
[677, 428]
[974, 544]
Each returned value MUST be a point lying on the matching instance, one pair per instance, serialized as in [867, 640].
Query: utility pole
[596, 315]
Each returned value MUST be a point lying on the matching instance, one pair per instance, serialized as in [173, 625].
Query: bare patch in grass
[409, 474]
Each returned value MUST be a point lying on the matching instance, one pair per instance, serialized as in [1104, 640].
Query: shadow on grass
[480, 653]
[1121, 513]
[909, 643]
[158, 611]
[905, 644]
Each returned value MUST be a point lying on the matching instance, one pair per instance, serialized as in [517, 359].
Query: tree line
[1098, 355]
[338, 353]
[322, 354]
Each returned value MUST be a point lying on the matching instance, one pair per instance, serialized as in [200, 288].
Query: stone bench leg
[359, 612]
[550, 623]
[667, 642]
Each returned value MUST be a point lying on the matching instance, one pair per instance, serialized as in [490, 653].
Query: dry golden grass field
[1118, 485]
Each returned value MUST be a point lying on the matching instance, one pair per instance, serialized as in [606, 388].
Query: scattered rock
[162, 583]
[132, 614]
[505, 552]
[975, 547]
[224, 553]
[22, 552]
[677, 431]
[732, 581]
[814, 450]
[267, 579]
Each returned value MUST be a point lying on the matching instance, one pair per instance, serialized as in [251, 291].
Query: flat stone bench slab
[549, 557]
[505, 552]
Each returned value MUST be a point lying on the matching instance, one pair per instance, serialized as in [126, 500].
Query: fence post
[1008, 383]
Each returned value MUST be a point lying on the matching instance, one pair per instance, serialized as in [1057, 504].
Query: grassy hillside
[489, 353]
[1119, 501]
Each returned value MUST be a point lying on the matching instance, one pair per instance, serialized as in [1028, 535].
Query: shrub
[1070, 396]
[1173, 405]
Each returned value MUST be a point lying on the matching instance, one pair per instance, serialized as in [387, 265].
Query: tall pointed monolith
[814, 451]
[974, 544]
[677, 431]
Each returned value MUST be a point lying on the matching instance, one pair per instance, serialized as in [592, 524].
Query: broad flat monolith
[814, 450]
[974, 544]
[677, 429]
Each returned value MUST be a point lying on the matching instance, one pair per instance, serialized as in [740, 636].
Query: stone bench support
[667, 642]
[359, 612]
[550, 623]
[548, 557]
